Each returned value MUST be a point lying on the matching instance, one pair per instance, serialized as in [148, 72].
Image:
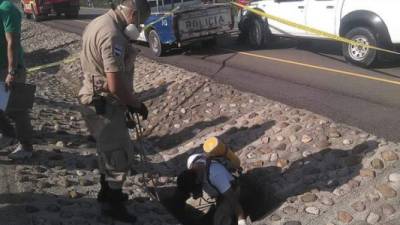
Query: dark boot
[115, 208]
[105, 188]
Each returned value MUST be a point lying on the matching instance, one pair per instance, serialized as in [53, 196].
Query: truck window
[168, 5]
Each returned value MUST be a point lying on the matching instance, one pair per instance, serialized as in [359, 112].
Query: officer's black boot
[104, 188]
[115, 208]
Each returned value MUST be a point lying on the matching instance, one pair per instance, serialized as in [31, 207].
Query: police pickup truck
[176, 23]
[371, 22]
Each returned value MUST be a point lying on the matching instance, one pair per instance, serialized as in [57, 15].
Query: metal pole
[139, 136]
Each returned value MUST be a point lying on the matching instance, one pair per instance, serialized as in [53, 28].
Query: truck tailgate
[204, 21]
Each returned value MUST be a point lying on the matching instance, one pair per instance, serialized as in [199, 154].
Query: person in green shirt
[12, 70]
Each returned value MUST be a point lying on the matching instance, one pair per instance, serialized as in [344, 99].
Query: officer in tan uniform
[107, 60]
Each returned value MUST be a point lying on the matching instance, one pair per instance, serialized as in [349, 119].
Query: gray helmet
[142, 10]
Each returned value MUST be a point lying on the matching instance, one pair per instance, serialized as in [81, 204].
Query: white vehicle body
[337, 17]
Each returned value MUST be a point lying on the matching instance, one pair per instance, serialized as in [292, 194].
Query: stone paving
[318, 171]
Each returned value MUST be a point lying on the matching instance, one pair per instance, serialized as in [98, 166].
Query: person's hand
[9, 81]
[141, 110]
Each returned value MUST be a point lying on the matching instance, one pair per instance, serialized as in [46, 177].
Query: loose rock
[394, 177]
[367, 173]
[358, 206]
[308, 197]
[373, 218]
[344, 217]
[290, 210]
[389, 156]
[306, 139]
[377, 164]
[312, 210]
[387, 209]
[327, 201]
[386, 191]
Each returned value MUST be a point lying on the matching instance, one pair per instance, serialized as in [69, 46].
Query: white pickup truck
[372, 22]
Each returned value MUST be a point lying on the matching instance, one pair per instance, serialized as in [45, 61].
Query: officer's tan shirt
[105, 49]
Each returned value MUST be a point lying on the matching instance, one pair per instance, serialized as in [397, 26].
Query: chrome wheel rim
[359, 52]
[154, 42]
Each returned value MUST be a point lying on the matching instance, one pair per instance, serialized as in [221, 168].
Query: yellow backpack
[217, 150]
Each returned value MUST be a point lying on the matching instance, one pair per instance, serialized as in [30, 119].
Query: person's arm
[12, 50]
[12, 57]
[117, 87]
[113, 53]
[11, 22]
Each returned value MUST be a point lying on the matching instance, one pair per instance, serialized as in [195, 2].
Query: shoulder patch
[118, 50]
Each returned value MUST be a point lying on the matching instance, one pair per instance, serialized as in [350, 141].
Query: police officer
[107, 60]
[12, 70]
[212, 177]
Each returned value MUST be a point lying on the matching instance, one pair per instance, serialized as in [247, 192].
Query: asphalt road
[304, 74]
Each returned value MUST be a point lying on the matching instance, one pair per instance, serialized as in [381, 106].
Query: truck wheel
[35, 16]
[155, 43]
[360, 55]
[72, 13]
[259, 34]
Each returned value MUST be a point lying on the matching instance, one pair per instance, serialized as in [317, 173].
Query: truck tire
[258, 33]
[36, 17]
[155, 43]
[72, 13]
[28, 16]
[359, 55]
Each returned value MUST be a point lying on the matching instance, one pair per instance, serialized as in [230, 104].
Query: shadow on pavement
[45, 56]
[236, 138]
[153, 92]
[38, 209]
[172, 140]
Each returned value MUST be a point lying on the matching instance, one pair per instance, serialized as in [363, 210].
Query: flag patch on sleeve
[118, 50]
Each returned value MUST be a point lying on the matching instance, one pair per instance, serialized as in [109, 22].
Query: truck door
[292, 10]
[321, 14]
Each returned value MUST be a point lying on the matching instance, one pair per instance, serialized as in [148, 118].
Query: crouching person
[213, 176]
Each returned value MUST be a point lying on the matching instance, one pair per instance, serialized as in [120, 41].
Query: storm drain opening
[257, 201]
[191, 212]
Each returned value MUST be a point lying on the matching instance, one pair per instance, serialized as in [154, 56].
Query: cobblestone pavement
[319, 171]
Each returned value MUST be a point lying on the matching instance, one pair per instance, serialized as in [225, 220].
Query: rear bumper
[61, 6]
[202, 38]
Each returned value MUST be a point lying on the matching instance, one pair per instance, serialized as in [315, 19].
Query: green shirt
[10, 22]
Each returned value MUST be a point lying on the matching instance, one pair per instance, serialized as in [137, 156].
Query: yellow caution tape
[310, 29]
[66, 61]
